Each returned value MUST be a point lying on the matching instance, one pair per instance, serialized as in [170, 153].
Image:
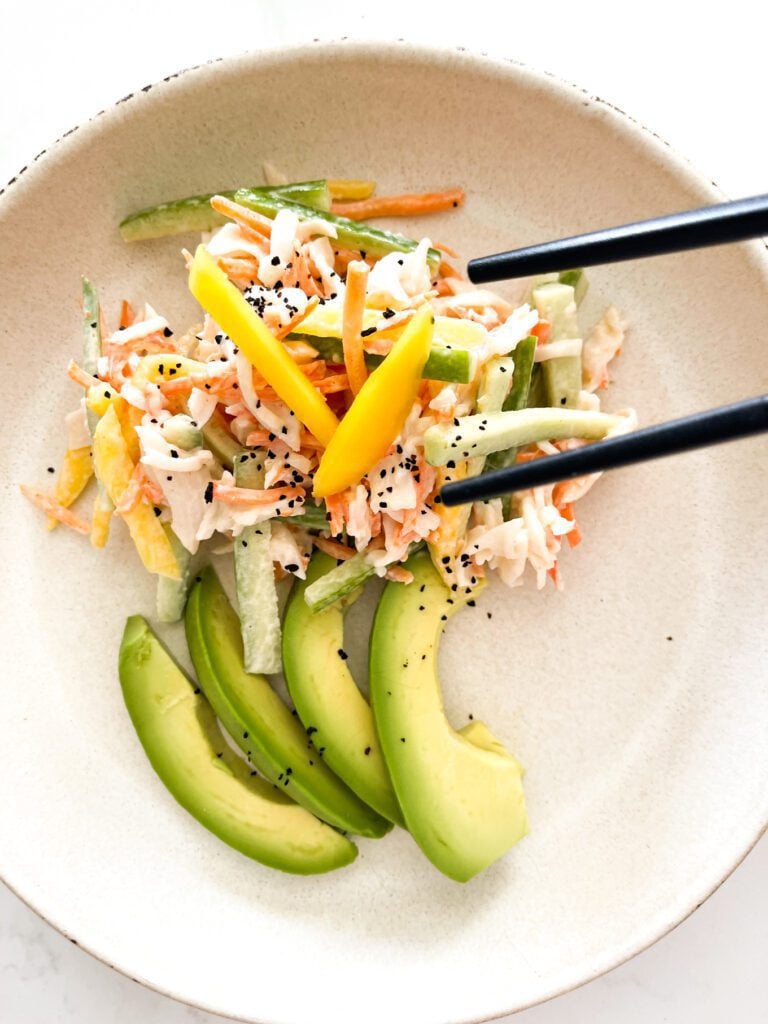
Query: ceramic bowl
[636, 698]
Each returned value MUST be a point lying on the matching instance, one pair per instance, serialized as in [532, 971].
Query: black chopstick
[676, 232]
[728, 423]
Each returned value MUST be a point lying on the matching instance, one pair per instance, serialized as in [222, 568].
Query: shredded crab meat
[397, 278]
[601, 345]
[290, 269]
[290, 548]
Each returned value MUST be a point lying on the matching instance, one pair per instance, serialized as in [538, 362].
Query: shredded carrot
[446, 270]
[242, 271]
[48, 504]
[334, 549]
[79, 376]
[254, 222]
[352, 324]
[447, 249]
[541, 331]
[399, 574]
[554, 574]
[334, 382]
[338, 510]
[129, 499]
[261, 439]
[248, 496]
[126, 314]
[297, 318]
[406, 205]
[574, 537]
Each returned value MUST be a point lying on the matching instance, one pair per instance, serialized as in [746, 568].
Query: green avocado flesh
[328, 699]
[460, 792]
[258, 720]
[185, 746]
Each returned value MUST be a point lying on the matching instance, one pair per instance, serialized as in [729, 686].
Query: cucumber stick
[556, 302]
[338, 582]
[172, 594]
[219, 440]
[350, 234]
[481, 434]
[194, 213]
[255, 577]
[455, 365]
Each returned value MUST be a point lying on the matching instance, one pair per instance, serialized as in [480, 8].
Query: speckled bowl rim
[360, 46]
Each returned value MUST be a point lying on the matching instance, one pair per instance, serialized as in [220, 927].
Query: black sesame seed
[51, 469]
[342, 654]
[367, 751]
[167, 332]
[209, 492]
[157, 511]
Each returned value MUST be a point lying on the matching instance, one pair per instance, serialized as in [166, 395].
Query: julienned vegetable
[378, 413]
[219, 297]
[337, 376]
[255, 576]
[181, 216]
[350, 234]
[481, 433]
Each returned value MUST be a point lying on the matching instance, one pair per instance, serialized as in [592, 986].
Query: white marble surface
[695, 78]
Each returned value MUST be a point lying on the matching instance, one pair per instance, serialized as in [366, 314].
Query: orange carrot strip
[575, 536]
[352, 324]
[334, 549]
[335, 382]
[79, 376]
[248, 496]
[541, 331]
[246, 218]
[49, 505]
[447, 249]
[406, 205]
[126, 314]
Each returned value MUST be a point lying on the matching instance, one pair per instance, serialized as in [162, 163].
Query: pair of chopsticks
[677, 232]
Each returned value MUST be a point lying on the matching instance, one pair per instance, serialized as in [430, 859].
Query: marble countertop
[698, 80]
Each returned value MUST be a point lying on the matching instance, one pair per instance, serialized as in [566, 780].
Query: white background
[696, 78]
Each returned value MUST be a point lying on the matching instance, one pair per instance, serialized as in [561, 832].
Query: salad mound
[339, 375]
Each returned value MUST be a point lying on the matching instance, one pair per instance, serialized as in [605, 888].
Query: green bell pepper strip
[195, 213]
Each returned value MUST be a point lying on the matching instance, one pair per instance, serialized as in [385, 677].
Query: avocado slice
[327, 697]
[461, 792]
[185, 746]
[258, 720]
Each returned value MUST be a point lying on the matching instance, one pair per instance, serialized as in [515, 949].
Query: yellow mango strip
[76, 471]
[114, 467]
[379, 411]
[130, 417]
[100, 520]
[350, 188]
[221, 299]
[160, 366]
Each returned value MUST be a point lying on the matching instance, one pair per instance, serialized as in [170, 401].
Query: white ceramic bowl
[637, 698]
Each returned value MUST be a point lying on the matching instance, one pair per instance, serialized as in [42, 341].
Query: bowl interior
[636, 698]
